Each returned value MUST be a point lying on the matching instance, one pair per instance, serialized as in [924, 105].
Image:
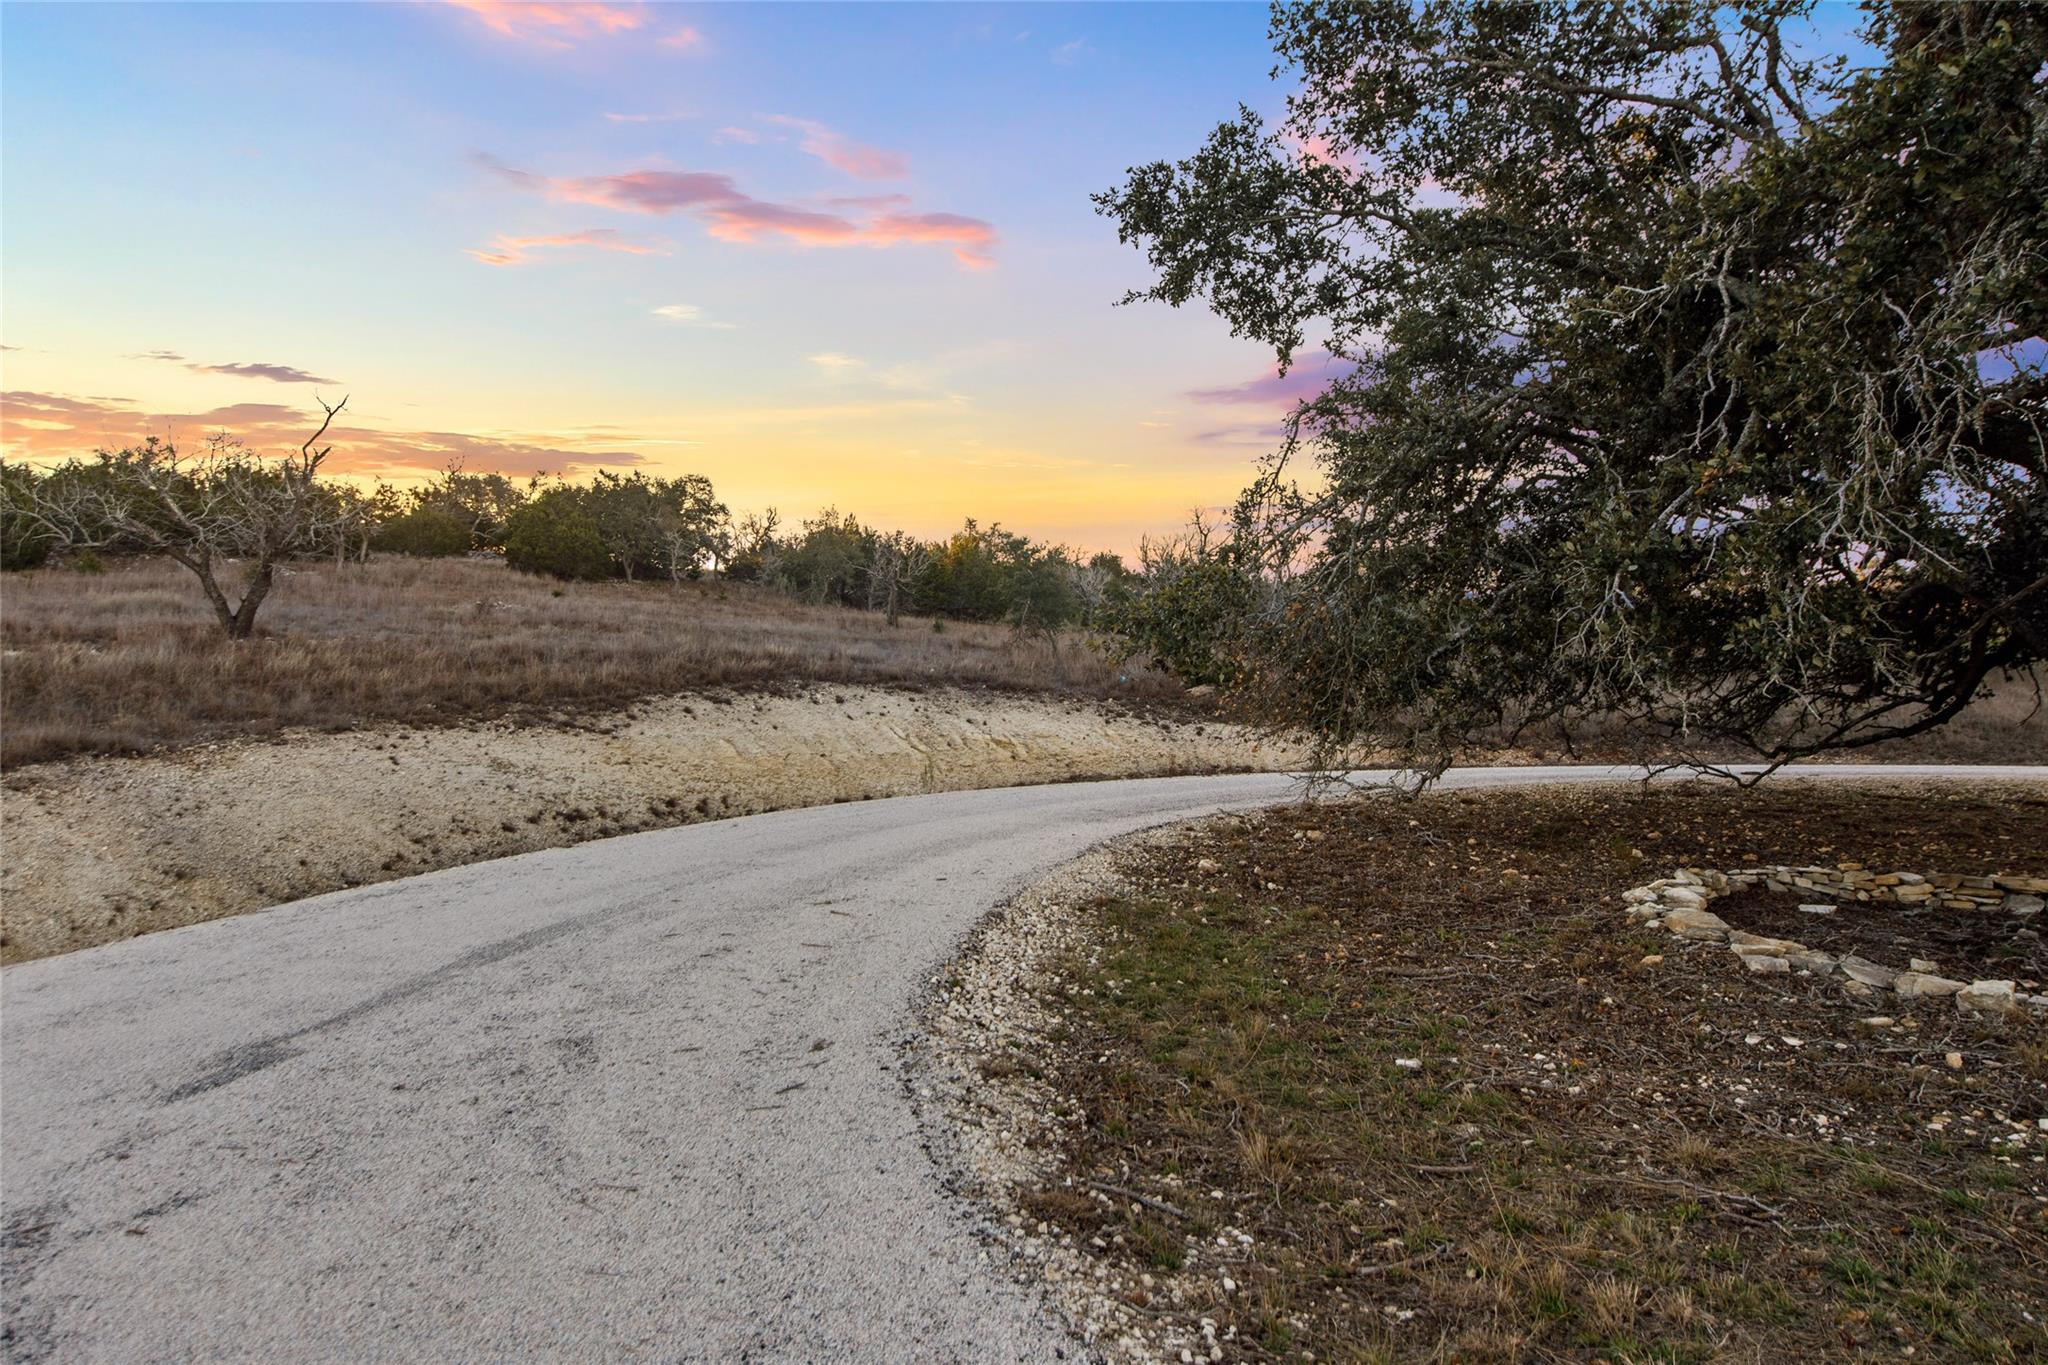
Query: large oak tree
[1683, 376]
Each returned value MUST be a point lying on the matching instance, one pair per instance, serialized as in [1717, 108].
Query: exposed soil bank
[102, 849]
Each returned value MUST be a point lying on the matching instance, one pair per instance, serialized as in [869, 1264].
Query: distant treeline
[628, 526]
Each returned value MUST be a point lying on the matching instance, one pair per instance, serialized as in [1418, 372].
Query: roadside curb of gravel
[995, 1122]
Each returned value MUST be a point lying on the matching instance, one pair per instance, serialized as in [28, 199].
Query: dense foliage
[980, 573]
[629, 526]
[1682, 377]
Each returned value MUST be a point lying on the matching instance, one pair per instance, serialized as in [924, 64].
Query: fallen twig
[1420, 1258]
[1147, 1200]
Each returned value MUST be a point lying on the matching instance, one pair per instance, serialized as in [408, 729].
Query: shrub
[425, 530]
[23, 543]
[554, 535]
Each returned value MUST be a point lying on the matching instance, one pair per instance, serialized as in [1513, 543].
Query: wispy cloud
[649, 118]
[970, 238]
[689, 315]
[842, 153]
[552, 23]
[834, 362]
[732, 215]
[1305, 379]
[281, 374]
[1072, 52]
[564, 23]
[732, 134]
[506, 250]
[47, 426]
[254, 369]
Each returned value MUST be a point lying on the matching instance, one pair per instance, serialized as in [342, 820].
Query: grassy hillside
[130, 660]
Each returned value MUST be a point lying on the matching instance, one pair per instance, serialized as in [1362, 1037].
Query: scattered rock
[1918, 985]
[2017, 904]
[1652, 959]
[1866, 972]
[1988, 997]
[1921, 964]
[1704, 925]
[1763, 964]
[1876, 1023]
[1817, 909]
[1743, 942]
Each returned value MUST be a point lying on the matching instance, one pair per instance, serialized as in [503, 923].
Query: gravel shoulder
[97, 850]
[995, 1114]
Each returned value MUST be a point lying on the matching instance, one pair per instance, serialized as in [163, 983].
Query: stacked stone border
[1678, 904]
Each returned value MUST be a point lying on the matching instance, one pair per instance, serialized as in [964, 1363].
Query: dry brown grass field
[130, 660]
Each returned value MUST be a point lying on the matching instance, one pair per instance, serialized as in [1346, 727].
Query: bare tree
[225, 506]
[897, 561]
[350, 519]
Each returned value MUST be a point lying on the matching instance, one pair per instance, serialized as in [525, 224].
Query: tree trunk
[202, 569]
[243, 624]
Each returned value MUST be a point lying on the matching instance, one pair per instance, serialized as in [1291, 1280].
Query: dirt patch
[1382, 1080]
[103, 849]
[1965, 944]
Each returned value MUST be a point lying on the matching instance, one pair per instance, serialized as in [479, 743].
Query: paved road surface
[631, 1099]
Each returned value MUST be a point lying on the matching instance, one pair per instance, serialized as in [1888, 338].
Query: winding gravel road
[637, 1098]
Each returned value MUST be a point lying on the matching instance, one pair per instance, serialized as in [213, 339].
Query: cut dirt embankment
[103, 849]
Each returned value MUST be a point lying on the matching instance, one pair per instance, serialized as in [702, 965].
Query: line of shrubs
[629, 526]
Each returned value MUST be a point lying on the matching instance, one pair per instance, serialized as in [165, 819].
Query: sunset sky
[838, 254]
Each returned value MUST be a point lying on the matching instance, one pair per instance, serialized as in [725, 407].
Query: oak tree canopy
[1681, 374]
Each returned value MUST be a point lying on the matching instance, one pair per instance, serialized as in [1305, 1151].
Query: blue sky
[824, 254]
[299, 188]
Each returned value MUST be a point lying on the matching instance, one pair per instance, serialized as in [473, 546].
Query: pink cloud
[749, 220]
[49, 427]
[551, 23]
[970, 238]
[647, 191]
[686, 38]
[1305, 379]
[732, 215]
[856, 159]
[505, 250]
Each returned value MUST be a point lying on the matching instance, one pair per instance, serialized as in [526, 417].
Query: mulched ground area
[1461, 1108]
[1965, 945]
